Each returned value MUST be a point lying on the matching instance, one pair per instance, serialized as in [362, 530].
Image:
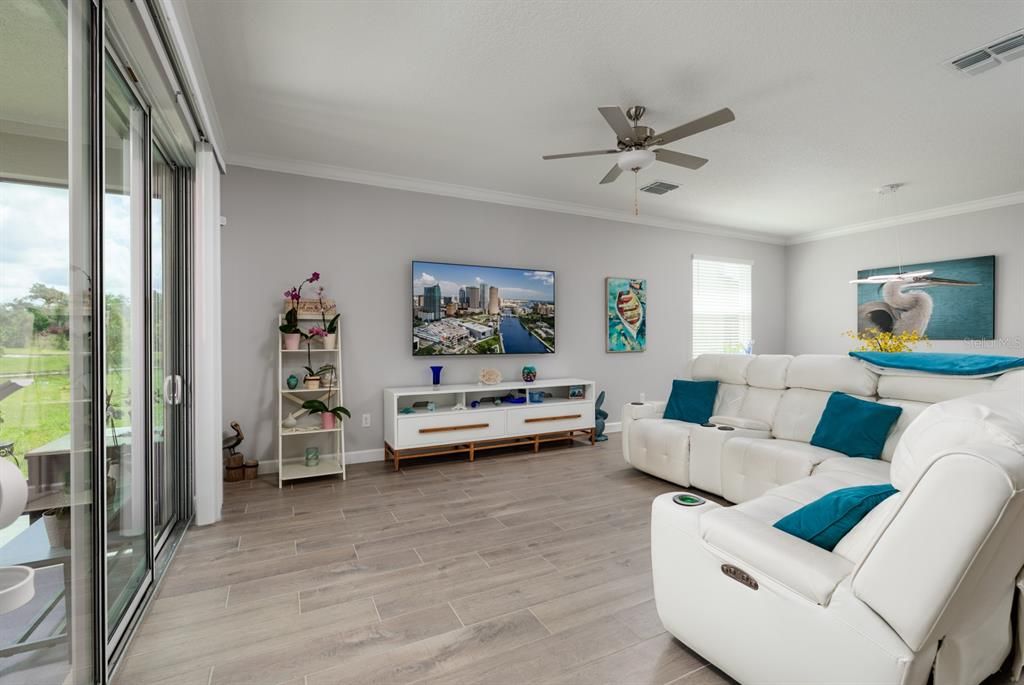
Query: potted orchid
[290, 328]
[312, 379]
[330, 339]
[327, 414]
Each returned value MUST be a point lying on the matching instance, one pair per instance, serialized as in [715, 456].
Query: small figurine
[406, 410]
[600, 416]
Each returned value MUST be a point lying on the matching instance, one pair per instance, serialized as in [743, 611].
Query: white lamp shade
[635, 159]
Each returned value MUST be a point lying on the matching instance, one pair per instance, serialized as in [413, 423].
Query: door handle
[177, 389]
[168, 390]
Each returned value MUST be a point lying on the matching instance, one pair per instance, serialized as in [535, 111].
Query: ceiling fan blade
[722, 116]
[679, 158]
[612, 174]
[616, 118]
[589, 153]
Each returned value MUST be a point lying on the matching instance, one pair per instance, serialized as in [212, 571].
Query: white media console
[438, 424]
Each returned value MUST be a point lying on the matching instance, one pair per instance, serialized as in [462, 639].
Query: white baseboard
[613, 427]
[355, 457]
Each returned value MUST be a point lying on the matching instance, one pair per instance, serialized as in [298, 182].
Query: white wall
[362, 240]
[821, 304]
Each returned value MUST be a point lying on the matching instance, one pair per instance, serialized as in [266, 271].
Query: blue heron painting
[951, 300]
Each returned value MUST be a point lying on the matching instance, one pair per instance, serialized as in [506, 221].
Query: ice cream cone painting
[627, 314]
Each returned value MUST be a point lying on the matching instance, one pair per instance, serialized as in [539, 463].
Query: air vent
[968, 62]
[1009, 47]
[659, 187]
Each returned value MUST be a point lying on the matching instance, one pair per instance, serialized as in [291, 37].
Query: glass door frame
[111, 647]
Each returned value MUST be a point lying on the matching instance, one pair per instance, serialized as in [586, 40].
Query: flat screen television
[464, 309]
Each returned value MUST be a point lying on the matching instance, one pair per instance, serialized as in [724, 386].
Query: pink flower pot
[291, 341]
[327, 421]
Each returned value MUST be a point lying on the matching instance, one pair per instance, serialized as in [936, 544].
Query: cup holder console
[686, 499]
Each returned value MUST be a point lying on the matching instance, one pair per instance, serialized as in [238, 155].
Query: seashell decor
[490, 376]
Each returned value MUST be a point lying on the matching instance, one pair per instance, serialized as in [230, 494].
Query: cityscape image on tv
[460, 309]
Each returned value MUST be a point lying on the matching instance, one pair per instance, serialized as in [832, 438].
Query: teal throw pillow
[825, 521]
[691, 401]
[857, 428]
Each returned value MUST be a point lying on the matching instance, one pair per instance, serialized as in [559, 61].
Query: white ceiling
[832, 99]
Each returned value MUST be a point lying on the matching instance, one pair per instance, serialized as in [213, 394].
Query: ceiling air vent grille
[1008, 44]
[1009, 47]
[659, 187]
[972, 60]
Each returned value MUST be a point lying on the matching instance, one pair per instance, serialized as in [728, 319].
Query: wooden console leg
[396, 459]
[472, 451]
[593, 436]
[536, 444]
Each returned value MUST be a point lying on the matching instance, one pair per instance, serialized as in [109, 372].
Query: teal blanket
[942, 363]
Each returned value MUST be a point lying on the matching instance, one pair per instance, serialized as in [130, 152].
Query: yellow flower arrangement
[874, 340]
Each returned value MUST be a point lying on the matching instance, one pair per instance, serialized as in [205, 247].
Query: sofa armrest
[643, 410]
[764, 551]
[740, 422]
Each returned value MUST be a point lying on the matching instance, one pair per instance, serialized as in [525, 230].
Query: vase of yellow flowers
[875, 340]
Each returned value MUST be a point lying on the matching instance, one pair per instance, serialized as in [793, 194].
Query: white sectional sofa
[771, 405]
[920, 591]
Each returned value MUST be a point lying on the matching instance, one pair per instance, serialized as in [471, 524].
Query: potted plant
[290, 328]
[327, 415]
[330, 339]
[312, 379]
[57, 522]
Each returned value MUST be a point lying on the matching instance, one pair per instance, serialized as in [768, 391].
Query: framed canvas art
[955, 301]
[626, 300]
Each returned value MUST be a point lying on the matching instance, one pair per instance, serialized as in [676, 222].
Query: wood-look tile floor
[517, 568]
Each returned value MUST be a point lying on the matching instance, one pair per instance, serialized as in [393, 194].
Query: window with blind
[721, 306]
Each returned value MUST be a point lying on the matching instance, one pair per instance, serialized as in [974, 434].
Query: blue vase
[436, 371]
[293, 382]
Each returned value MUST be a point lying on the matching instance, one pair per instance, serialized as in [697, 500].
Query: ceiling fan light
[629, 160]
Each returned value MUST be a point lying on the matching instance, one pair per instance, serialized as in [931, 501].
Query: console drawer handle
[445, 429]
[553, 418]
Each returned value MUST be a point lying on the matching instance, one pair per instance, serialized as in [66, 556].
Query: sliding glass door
[93, 357]
[125, 292]
[48, 333]
[167, 349]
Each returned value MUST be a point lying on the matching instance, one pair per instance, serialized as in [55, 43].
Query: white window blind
[721, 306]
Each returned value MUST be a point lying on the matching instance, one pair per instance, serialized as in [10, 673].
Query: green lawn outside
[39, 413]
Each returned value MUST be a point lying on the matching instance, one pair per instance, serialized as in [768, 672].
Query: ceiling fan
[634, 141]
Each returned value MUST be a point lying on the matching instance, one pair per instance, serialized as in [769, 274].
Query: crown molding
[419, 185]
[911, 218]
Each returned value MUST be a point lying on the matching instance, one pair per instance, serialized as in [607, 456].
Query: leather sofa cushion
[967, 424]
[831, 373]
[751, 467]
[911, 410]
[730, 399]
[727, 368]
[929, 389]
[856, 544]
[661, 447]
[760, 404]
[769, 371]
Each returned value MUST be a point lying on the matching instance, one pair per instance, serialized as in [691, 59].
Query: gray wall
[363, 238]
[821, 304]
